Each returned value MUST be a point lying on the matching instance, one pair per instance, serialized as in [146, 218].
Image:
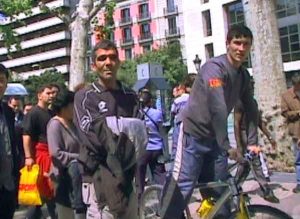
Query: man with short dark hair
[290, 109]
[105, 98]
[36, 148]
[9, 164]
[203, 136]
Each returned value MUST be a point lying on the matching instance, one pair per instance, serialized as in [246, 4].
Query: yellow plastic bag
[28, 190]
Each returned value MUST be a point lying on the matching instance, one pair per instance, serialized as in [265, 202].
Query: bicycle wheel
[149, 205]
[264, 212]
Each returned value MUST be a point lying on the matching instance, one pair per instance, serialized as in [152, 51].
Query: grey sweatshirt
[215, 92]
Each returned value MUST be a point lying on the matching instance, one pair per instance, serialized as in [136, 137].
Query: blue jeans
[297, 159]
[193, 157]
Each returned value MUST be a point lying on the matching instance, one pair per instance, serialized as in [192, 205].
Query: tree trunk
[79, 28]
[269, 78]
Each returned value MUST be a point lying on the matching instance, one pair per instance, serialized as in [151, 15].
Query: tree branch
[95, 10]
[66, 19]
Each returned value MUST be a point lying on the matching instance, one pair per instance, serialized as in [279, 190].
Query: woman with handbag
[64, 149]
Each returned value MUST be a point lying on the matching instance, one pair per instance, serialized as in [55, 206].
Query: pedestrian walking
[183, 91]
[259, 164]
[9, 160]
[36, 148]
[64, 145]
[290, 109]
[155, 146]
[221, 82]
[104, 116]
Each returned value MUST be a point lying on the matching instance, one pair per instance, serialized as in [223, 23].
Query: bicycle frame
[232, 191]
[227, 194]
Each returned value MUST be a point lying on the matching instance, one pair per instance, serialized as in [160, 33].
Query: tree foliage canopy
[11, 9]
[169, 56]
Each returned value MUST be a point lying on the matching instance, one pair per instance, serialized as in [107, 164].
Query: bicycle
[241, 207]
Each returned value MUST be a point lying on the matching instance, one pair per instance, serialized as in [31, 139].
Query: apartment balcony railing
[172, 32]
[145, 37]
[125, 21]
[127, 41]
[145, 16]
[168, 11]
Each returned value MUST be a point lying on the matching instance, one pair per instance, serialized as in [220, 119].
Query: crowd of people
[93, 145]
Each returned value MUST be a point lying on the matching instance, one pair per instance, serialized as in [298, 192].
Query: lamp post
[197, 63]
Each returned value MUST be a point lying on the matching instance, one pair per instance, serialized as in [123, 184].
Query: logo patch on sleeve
[215, 82]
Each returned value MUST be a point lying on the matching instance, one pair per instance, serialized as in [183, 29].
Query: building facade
[206, 23]
[143, 25]
[45, 42]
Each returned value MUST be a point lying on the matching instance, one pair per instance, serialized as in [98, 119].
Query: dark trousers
[157, 169]
[257, 168]
[68, 188]
[35, 212]
[8, 202]
[220, 165]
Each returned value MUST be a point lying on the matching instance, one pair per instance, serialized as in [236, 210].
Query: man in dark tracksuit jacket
[203, 136]
[105, 97]
[9, 157]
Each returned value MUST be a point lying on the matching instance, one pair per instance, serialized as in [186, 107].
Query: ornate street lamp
[197, 63]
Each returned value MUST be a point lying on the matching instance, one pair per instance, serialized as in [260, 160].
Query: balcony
[145, 16]
[127, 42]
[168, 11]
[172, 32]
[125, 21]
[145, 38]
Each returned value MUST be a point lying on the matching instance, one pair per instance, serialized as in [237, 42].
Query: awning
[15, 89]
[158, 83]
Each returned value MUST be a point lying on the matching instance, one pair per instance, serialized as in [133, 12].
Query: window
[235, 13]
[285, 8]
[170, 6]
[128, 53]
[206, 23]
[290, 42]
[125, 15]
[172, 25]
[127, 34]
[145, 31]
[144, 11]
[209, 51]
[145, 28]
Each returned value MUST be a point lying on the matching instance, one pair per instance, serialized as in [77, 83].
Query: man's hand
[29, 162]
[254, 149]
[235, 154]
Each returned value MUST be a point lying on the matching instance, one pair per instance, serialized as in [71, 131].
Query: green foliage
[90, 77]
[12, 9]
[168, 56]
[48, 77]
[109, 19]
